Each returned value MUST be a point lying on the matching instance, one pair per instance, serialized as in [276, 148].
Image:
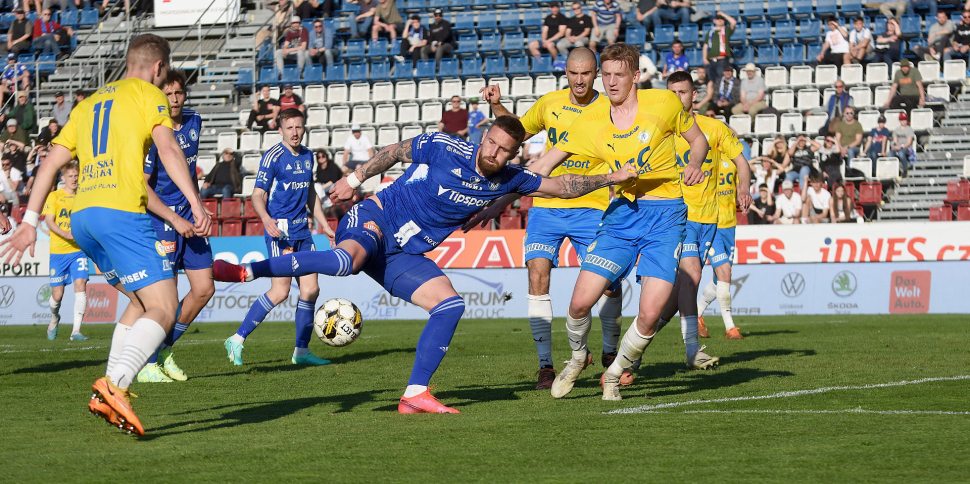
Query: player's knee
[203, 292]
[579, 306]
[277, 295]
[310, 293]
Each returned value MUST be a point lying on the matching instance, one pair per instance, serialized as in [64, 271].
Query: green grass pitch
[800, 399]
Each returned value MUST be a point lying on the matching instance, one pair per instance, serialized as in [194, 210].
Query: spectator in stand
[938, 40]
[16, 134]
[306, 9]
[705, 91]
[607, 18]
[13, 74]
[326, 175]
[23, 111]
[860, 41]
[675, 61]
[801, 156]
[20, 33]
[454, 122]
[535, 147]
[834, 107]
[766, 172]
[848, 134]
[48, 133]
[320, 48]
[835, 49]
[358, 149]
[364, 21]
[62, 109]
[476, 122]
[889, 45]
[904, 144]
[931, 4]
[717, 50]
[387, 19]
[647, 72]
[907, 88]
[289, 100]
[762, 211]
[264, 112]
[830, 160]
[553, 29]
[5, 210]
[10, 181]
[788, 205]
[728, 93]
[877, 145]
[674, 12]
[960, 41]
[578, 29]
[647, 13]
[841, 207]
[18, 155]
[49, 36]
[441, 44]
[752, 99]
[886, 7]
[223, 178]
[415, 37]
[294, 45]
[816, 211]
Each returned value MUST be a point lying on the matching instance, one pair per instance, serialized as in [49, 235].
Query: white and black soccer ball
[337, 322]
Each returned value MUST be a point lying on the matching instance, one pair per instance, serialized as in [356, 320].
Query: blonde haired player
[69, 265]
[110, 132]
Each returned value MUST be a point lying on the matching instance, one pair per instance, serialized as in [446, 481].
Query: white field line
[849, 410]
[651, 408]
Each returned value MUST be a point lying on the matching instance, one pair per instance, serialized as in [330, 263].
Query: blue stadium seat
[910, 26]
[355, 49]
[467, 44]
[336, 72]
[481, 4]
[514, 42]
[809, 29]
[394, 47]
[687, 34]
[793, 54]
[636, 35]
[464, 22]
[471, 67]
[70, 18]
[532, 19]
[414, 6]
[403, 70]
[851, 8]
[268, 75]
[313, 74]
[245, 78]
[754, 10]
[347, 8]
[801, 8]
[425, 69]
[7, 19]
[663, 35]
[542, 65]
[731, 8]
[491, 42]
[738, 37]
[518, 64]
[487, 20]
[784, 31]
[380, 70]
[89, 17]
[879, 25]
[509, 20]
[495, 66]
[448, 67]
[768, 55]
[826, 8]
[777, 9]
[814, 49]
[28, 61]
[442, 4]
[743, 54]
[291, 74]
[357, 72]
[760, 32]
[956, 17]
[695, 56]
[378, 48]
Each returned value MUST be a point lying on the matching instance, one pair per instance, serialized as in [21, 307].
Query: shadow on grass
[708, 380]
[768, 333]
[257, 412]
[269, 366]
[745, 356]
[470, 395]
[59, 366]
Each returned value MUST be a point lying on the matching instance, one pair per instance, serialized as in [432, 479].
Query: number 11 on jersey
[99, 131]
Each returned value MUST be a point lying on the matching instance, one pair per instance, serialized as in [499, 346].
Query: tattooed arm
[386, 158]
[573, 186]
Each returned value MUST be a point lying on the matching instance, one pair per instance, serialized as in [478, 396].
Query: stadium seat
[743, 54]
[740, 123]
[815, 121]
[89, 17]
[471, 67]
[425, 69]
[518, 64]
[760, 32]
[783, 99]
[784, 32]
[229, 208]
[270, 139]
[910, 26]
[431, 111]
[801, 8]
[809, 29]
[921, 119]
[450, 88]
[868, 119]
[870, 193]
[382, 91]
[354, 49]
[467, 45]
[362, 114]
[408, 113]
[313, 73]
[663, 36]
[863, 165]
[881, 95]
[765, 124]
[791, 123]
[254, 226]
[861, 97]
[250, 140]
[231, 228]
[318, 139]
[776, 9]
[929, 71]
[402, 70]
[963, 212]
[448, 68]
[958, 192]
[776, 77]
[793, 54]
[801, 75]
[494, 66]
[206, 163]
[377, 48]
[405, 90]
[491, 43]
[226, 141]
[542, 65]
[211, 205]
[388, 135]
[851, 74]
[380, 70]
[339, 115]
[877, 73]
[429, 89]
[941, 213]
[636, 35]
[887, 168]
[514, 42]
[768, 55]
[316, 117]
[688, 34]
[510, 221]
[955, 70]
[336, 72]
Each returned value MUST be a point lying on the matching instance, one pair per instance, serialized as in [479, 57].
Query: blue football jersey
[442, 189]
[288, 179]
[188, 138]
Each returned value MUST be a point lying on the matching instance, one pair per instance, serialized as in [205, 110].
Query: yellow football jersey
[554, 113]
[110, 133]
[701, 199]
[727, 195]
[648, 143]
[59, 204]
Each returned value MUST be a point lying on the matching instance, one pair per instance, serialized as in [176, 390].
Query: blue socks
[304, 323]
[256, 314]
[335, 262]
[434, 340]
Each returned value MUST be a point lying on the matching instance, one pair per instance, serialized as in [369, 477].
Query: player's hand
[483, 216]
[183, 227]
[341, 191]
[625, 172]
[692, 175]
[22, 239]
[491, 94]
[4, 223]
[68, 235]
[203, 223]
[271, 228]
[744, 201]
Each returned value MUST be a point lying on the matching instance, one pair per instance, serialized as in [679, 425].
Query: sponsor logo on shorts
[690, 248]
[143, 274]
[55, 280]
[591, 247]
[719, 258]
[539, 248]
[159, 248]
[110, 275]
[168, 246]
[607, 264]
[287, 250]
[372, 226]
[53, 272]
[166, 265]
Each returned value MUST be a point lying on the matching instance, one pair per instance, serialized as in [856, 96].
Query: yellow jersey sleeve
[68, 137]
[727, 194]
[49, 204]
[532, 121]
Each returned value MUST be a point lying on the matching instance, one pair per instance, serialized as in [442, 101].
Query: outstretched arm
[386, 158]
[573, 186]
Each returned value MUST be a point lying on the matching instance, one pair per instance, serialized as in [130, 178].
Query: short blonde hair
[624, 53]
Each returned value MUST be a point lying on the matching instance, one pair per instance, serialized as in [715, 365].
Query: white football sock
[238, 339]
[298, 352]
[540, 320]
[706, 298]
[724, 301]
[55, 308]
[80, 307]
[611, 318]
[688, 327]
[578, 332]
[631, 349]
[117, 342]
[140, 344]
[414, 390]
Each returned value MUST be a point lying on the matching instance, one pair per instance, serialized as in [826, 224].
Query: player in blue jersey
[284, 186]
[386, 236]
[172, 217]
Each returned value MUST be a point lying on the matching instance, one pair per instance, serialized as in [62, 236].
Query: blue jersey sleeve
[265, 174]
[524, 181]
[423, 151]
[151, 159]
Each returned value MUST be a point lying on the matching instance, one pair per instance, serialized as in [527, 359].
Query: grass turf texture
[270, 421]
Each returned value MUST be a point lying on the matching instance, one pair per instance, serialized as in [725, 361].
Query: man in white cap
[752, 92]
[788, 205]
[294, 45]
[358, 149]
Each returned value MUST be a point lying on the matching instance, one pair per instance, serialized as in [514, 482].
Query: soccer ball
[337, 322]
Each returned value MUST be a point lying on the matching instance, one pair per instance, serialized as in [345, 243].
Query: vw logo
[6, 296]
[793, 284]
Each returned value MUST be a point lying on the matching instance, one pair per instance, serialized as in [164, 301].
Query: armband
[353, 181]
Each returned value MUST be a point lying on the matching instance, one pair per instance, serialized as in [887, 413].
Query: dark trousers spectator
[890, 55]
[212, 190]
[443, 50]
[716, 67]
[831, 59]
[20, 47]
[262, 125]
[911, 102]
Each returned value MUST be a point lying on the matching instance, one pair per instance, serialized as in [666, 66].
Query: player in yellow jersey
[552, 220]
[68, 262]
[722, 251]
[110, 132]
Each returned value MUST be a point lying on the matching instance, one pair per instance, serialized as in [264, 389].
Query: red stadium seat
[229, 208]
[850, 190]
[231, 227]
[510, 221]
[963, 212]
[742, 218]
[211, 205]
[248, 210]
[18, 212]
[870, 193]
[958, 191]
[254, 227]
[525, 203]
[941, 213]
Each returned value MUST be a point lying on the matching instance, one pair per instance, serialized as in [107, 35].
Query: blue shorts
[191, 253]
[278, 247]
[123, 245]
[399, 272]
[548, 227]
[650, 229]
[698, 239]
[67, 268]
[722, 250]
